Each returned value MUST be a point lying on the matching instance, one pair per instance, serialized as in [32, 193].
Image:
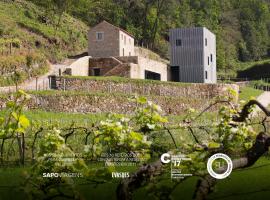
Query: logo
[176, 162]
[62, 174]
[120, 175]
[217, 161]
[165, 158]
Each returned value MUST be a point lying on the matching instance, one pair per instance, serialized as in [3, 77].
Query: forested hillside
[28, 38]
[26, 27]
[242, 26]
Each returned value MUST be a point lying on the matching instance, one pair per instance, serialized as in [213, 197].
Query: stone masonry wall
[107, 103]
[110, 104]
[104, 64]
[196, 90]
[107, 96]
[108, 46]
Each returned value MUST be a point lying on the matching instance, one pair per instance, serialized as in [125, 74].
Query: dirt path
[264, 99]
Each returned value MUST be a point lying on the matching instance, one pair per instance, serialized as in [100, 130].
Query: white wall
[80, 67]
[126, 42]
[208, 50]
[138, 71]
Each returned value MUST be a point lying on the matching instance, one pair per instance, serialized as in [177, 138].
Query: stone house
[140, 66]
[107, 40]
[111, 52]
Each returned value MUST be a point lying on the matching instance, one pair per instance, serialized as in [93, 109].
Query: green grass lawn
[247, 93]
[65, 119]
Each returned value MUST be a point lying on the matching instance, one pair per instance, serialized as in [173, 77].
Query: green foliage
[55, 148]
[118, 135]
[18, 68]
[14, 121]
[254, 19]
[234, 138]
[242, 28]
[53, 157]
[148, 116]
[46, 31]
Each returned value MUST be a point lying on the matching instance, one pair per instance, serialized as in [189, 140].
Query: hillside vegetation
[242, 26]
[15, 69]
[56, 29]
[28, 39]
[28, 25]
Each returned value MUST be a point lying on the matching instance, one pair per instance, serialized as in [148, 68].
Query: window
[152, 75]
[129, 53]
[122, 37]
[99, 36]
[205, 41]
[208, 60]
[96, 72]
[125, 39]
[211, 56]
[123, 52]
[206, 75]
[178, 42]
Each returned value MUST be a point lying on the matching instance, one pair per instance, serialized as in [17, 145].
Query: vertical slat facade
[190, 56]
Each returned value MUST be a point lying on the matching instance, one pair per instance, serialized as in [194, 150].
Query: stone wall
[108, 46]
[103, 95]
[107, 103]
[137, 70]
[104, 64]
[157, 88]
[110, 104]
[115, 41]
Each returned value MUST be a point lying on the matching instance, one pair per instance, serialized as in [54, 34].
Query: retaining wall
[128, 86]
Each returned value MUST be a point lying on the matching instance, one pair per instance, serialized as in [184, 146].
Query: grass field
[247, 184]
[247, 93]
[237, 186]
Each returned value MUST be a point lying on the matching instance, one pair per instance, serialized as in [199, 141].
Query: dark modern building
[193, 55]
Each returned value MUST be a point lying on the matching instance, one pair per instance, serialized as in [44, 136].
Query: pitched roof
[120, 29]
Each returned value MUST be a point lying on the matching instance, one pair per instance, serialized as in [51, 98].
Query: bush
[27, 66]
[28, 14]
[2, 30]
